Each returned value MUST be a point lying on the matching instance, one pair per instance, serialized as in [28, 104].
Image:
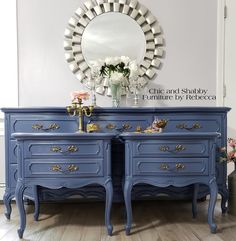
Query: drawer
[170, 166]
[88, 148]
[63, 168]
[192, 123]
[42, 123]
[170, 148]
[121, 123]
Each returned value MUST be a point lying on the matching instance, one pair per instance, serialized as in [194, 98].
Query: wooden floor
[153, 221]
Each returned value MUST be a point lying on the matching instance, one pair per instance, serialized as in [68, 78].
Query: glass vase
[116, 94]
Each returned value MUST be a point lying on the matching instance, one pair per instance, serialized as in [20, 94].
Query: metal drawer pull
[178, 147]
[56, 168]
[185, 127]
[110, 126]
[51, 127]
[70, 168]
[124, 127]
[164, 167]
[179, 166]
[70, 149]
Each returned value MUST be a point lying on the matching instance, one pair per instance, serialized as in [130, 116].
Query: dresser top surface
[119, 110]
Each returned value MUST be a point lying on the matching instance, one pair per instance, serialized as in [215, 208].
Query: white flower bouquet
[119, 74]
[116, 70]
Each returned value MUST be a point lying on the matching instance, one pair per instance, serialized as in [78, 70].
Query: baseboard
[2, 189]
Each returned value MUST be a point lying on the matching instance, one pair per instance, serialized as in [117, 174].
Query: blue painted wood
[22, 120]
[74, 172]
[177, 173]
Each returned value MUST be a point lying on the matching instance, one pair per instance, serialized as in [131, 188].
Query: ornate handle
[164, 167]
[126, 127]
[51, 127]
[185, 127]
[56, 168]
[110, 126]
[178, 147]
[70, 168]
[70, 149]
[179, 166]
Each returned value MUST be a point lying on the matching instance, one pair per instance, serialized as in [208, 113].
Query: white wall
[190, 33]
[8, 71]
[230, 68]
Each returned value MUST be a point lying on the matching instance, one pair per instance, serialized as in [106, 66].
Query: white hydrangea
[116, 78]
[134, 70]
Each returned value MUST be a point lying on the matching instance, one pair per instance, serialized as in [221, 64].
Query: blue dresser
[115, 121]
[171, 159]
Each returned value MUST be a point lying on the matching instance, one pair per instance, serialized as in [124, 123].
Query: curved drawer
[42, 123]
[121, 123]
[63, 168]
[192, 123]
[88, 148]
[170, 148]
[170, 166]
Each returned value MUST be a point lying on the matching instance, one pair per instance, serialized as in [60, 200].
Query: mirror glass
[113, 34]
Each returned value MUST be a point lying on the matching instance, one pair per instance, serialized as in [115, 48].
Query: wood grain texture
[152, 221]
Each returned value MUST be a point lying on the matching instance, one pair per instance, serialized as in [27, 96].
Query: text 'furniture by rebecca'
[110, 120]
[170, 159]
[63, 160]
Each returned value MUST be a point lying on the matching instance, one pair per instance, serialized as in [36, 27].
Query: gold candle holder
[77, 109]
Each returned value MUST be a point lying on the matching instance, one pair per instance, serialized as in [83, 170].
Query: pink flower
[231, 155]
[75, 95]
[232, 142]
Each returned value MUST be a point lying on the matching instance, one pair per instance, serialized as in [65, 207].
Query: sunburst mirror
[102, 28]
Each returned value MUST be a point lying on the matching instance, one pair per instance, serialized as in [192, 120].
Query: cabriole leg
[194, 201]
[20, 205]
[36, 203]
[224, 198]
[212, 202]
[109, 197]
[127, 197]
[7, 202]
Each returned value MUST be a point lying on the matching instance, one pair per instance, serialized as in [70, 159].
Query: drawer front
[121, 123]
[63, 168]
[169, 167]
[192, 123]
[170, 148]
[67, 149]
[42, 123]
